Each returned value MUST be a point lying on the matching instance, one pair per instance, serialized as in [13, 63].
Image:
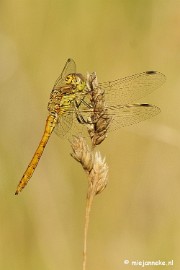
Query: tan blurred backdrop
[137, 216]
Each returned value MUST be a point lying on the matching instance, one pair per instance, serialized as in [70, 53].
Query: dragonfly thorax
[61, 99]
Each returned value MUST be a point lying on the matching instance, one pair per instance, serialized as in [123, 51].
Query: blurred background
[137, 216]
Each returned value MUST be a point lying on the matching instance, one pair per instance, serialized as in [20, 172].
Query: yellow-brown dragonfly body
[66, 89]
[50, 124]
[68, 103]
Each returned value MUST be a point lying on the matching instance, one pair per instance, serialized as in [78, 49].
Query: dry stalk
[93, 164]
[96, 170]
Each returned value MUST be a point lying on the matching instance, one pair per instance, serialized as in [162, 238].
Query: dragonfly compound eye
[69, 79]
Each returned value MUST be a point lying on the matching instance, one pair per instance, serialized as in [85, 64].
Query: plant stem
[89, 201]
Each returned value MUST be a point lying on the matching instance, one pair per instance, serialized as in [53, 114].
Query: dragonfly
[68, 97]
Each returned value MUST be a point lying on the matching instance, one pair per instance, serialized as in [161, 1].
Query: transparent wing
[68, 125]
[122, 116]
[70, 67]
[64, 124]
[131, 88]
[117, 92]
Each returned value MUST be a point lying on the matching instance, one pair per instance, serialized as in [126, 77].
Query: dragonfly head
[76, 80]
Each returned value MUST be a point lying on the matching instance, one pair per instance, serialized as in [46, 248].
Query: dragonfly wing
[127, 115]
[68, 125]
[70, 67]
[64, 124]
[120, 115]
[131, 88]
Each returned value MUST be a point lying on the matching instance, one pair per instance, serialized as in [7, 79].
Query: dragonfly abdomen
[50, 124]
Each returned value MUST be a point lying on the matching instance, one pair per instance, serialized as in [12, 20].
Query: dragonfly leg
[82, 101]
[80, 118]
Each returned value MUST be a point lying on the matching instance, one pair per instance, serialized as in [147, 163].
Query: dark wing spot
[151, 72]
[145, 105]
